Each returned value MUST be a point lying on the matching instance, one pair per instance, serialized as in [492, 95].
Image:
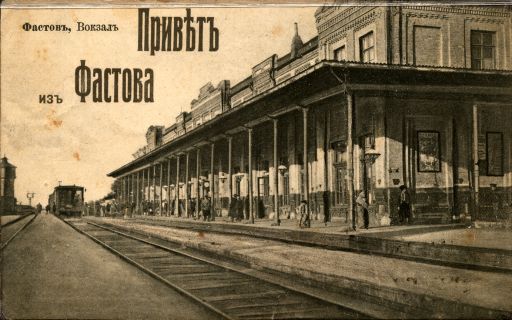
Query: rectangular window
[338, 156]
[237, 186]
[367, 47]
[483, 50]
[263, 187]
[494, 153]
[369, 142]
[339, 187]
[286, 189]
[340, 54]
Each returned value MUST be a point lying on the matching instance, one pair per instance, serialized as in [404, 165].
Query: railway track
[226, 291]
[11, 229]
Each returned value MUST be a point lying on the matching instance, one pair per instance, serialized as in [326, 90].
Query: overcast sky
[79, 143]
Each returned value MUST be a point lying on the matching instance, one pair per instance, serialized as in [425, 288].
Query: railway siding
[217, 287]
[11, 229]
[52, 272]
[429, 290]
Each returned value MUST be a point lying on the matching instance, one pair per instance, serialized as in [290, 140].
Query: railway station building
[7, 177]
[382, 97]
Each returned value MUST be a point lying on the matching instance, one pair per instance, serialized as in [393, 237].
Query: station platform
[49, 271]
[456, 245]
[8, 218]
[424, 290]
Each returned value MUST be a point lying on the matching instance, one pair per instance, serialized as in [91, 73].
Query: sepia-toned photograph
[287, 160]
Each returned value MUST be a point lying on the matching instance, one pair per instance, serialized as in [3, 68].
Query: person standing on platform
[327, 213]
[247, 208]
[192, 207]
[206, 206]
[305, 221]
[362, 207]
[404, 206]
[233, 206]
[261, 208]
[39, 208]
[150, 209]
[165, 206]
[239, 208]
[181, 208]
[173, 205]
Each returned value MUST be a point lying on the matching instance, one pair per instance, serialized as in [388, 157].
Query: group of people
[150, 208]
[100, 209]
[238, 209]
[48, 208]
[404, 207]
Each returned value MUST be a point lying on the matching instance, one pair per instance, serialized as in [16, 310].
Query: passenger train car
[67, 200]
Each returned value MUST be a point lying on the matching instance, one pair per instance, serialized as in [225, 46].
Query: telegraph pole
[30, 195]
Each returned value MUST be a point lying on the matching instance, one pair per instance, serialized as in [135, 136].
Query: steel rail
[148, 271]
[17, 219]
[275, 283]
[2, 247]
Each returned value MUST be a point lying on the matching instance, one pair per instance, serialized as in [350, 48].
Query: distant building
[383, 96]
[7, 176]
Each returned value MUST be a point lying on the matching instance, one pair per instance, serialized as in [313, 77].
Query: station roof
[326, 75]
[69, 187]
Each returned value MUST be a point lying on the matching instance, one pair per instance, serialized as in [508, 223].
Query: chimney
[296, 43]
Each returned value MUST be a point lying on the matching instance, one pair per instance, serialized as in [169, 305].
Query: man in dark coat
[192, 206]
[404, 207]
[362, 208]
[233, 214]
[39, 208]
[206, 206]
[327, 214]
[261, 208]
[246, 208]
[239, 208]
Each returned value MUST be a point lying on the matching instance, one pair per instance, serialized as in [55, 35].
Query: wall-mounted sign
[429, 151]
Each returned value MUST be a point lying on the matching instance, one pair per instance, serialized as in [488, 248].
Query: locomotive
[67, 200]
